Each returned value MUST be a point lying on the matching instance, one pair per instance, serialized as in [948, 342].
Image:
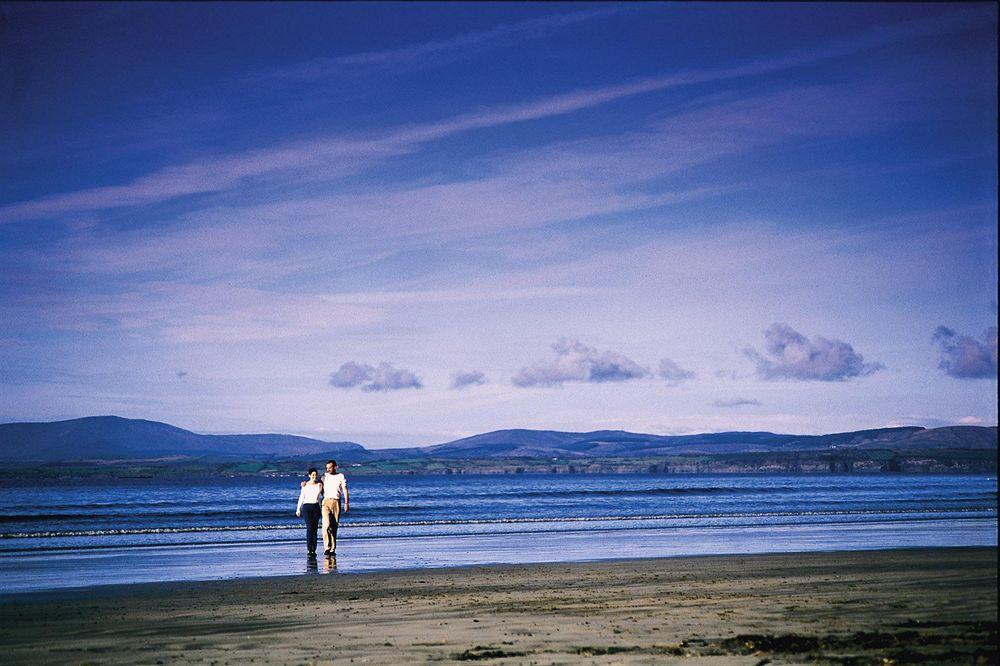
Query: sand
[926, 605]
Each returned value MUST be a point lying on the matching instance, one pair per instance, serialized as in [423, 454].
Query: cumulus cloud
[351, 374]
[576, 362]
[736, 402]
[384, 377]
[673, 373]
[462, 379]
[964, 357]
[790, 355]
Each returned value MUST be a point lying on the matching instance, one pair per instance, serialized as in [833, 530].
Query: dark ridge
[115, 439]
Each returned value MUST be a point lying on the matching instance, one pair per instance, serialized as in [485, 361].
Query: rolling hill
[115, 438]
[604, 443]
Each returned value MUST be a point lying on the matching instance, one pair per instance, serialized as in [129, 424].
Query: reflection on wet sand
[23, 572]
[313, 564]
[329, 564]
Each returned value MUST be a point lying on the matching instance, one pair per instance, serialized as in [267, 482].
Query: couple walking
[332, 487]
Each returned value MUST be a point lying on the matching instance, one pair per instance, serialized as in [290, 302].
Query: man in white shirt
[334, 487]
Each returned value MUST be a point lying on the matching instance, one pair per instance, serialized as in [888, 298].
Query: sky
[403, 223]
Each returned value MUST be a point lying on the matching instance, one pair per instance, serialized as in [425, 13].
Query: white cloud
[463, 379]
[791, 355]
[964, 357]
[576, 362]
[383, 377]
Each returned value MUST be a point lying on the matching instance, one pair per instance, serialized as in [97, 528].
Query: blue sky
[406, 223]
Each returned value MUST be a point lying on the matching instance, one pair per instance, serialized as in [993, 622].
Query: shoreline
[156, 588]
[26, 475]
[935, 604]
[42, 570]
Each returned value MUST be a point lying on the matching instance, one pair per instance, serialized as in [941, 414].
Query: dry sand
[928, 605]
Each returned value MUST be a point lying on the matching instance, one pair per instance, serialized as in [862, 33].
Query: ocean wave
[487, 521]
[262, 507]
[262, 514]
[679, 491]
[210, 512]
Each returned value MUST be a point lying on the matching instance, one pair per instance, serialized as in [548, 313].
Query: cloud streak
[577, 362]
[964, 357]
[790, 355]
[207, 175]
[542, 186]
[531, 188]
[425, 55]
[350, 155]
[736, 402]
[461, 295]
[189, 313]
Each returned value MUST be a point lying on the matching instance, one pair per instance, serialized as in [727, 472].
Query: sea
[57, 534]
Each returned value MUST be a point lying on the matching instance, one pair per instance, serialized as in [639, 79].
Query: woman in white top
[309, 503]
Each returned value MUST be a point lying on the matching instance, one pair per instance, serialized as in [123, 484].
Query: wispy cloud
[577, 362]
[190, 313]
[339, 156]
[541, 186]
[964, 357]
[425, 55]
[210, 174]
[461, 295]
[791, 355]
[672, 373]
[735, 402]
[383, 377]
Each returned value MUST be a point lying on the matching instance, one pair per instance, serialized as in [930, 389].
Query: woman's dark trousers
[311, 513]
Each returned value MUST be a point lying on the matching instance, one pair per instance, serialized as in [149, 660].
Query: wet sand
[926, 605]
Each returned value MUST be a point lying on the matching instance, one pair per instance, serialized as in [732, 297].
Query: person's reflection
[330, 564]
[311, 564]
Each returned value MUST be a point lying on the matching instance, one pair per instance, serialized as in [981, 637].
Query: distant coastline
[944, 463]
[113, 447]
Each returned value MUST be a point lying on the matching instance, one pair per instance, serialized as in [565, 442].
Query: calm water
[85, 533]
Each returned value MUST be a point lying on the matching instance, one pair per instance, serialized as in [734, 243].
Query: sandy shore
[936, 605]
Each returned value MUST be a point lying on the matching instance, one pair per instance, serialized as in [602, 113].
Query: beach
[929, 605]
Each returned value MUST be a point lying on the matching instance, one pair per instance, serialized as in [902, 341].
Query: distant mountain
[115, 438]
[112, 438]
[617, 443]
[507, 443]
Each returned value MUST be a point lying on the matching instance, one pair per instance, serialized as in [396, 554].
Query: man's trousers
[331, 519]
